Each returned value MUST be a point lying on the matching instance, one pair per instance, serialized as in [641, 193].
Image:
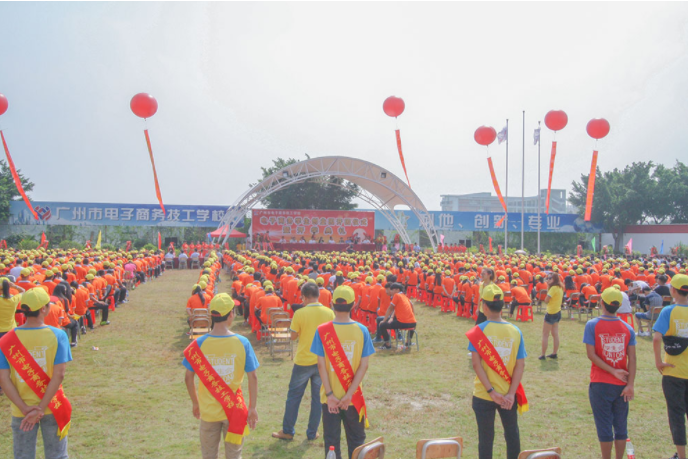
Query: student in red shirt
[610, 344]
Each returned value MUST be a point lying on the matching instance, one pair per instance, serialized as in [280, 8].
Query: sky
[240, 84]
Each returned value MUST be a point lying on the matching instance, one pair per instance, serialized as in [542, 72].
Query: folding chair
[654, 313]
[570, 302]
[439, 448]
[169, 263]
[541, 303]
[280, 337]
[401, 335]
[182, 263]
[199, 324]
[195, 263]
[589, 312]
[667, 300]
[273, 315]
[372, 450]
[507, 304]
[548, 453]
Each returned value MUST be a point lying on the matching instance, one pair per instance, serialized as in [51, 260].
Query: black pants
[485, 416]
[383, 327]
[676, 394]
[332, 430]
[141, 277]
[121, 294]
[104, 308]
[89, 321]
[515, 304]
[73, 328]
[256, 313]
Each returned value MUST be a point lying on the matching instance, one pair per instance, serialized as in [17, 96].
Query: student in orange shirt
[325, 295]
[267, 301]
[63, 292]
[520, 297]
[540, 285]
[399, 315]
[197, 300]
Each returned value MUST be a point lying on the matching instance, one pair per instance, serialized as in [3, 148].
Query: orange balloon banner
[15, 176]
[551, 172]
[155, 175]
[496, 184]
[591, 186]
[401, 156]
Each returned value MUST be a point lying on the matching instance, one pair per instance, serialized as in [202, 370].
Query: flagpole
[506, 216]
[539, 192]
[523, 178]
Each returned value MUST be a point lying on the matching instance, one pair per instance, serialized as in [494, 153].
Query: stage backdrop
[306, 223]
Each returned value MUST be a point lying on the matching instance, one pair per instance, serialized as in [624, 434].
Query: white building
[486, 202]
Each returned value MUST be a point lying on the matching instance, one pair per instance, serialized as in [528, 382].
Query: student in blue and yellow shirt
[671, 328]
[232, 356]
[336, 402]
[491, 392]
[50, 348]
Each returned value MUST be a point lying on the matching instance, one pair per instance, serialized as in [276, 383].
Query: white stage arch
[377, 186]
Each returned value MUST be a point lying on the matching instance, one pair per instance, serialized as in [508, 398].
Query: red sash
[490, 355]
[232, 403]
[342, 367]
[33, 375]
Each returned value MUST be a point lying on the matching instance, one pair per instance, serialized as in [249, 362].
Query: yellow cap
[369, 280]
[492, 292]
[221, 305]
[89, 276]
[680, 283]
[202, 284]
[343, 295]
[25, 272]
[320, 281]
[612, 296]
[35, 299]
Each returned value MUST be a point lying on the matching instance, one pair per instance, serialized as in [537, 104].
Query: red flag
[551, 172]
[159, 241]
[128, 246]
[496, 184]
[591, 186]
[501, 220]
[401, 156]
[15, 176]
[155, 174]
[490, 244]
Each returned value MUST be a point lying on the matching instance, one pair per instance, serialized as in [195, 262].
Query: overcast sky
[239, 84]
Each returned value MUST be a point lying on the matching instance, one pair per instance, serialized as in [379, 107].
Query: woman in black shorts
[555, 296]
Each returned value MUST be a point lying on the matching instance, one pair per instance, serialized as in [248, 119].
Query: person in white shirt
[169, 255]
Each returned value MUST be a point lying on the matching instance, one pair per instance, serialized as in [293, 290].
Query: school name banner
[293, 225]
[90, 214]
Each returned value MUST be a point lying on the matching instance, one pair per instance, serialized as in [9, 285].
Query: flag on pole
[661, 247]
[536, 136]
[503, 134]
[629, 246]
[594, 249]
[159, 241]
[17, 180]
[100, 234]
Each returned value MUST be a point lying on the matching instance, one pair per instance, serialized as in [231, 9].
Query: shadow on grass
[279, 448]
[549, 365]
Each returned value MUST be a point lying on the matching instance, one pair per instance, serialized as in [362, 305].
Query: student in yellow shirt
[304, 325]
[553, 300]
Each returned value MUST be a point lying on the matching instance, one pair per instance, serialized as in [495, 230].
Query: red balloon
[485, 135]
[598, 128]
[144, 105]
[393, 106]
[556, 120]
[3, 104]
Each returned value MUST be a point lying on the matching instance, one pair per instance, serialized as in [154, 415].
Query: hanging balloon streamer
[159, 241]
[485, 135]
[556, 120]
[3, 108]
[394, 106]
[597, 128]
[144, 106]
[490, 245]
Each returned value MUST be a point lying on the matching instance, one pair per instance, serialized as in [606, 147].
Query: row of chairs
[443, 448]
[195, 263]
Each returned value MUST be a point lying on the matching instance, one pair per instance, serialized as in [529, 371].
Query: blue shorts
[609, 410]
[643, 315]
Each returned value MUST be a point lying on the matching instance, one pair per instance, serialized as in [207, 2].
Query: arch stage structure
[377, 186]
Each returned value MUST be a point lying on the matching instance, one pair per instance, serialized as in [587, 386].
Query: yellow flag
[98, 241]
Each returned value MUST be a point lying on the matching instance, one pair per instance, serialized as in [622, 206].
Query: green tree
[8, 190]
[327, 193]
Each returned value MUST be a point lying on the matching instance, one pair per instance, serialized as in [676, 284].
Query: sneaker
[542, 357]
[378, 340]
[552, 356]
[282, 436]
[105, 322]
[83, 330]
[385, 346]
[72, 344]
[675, 456]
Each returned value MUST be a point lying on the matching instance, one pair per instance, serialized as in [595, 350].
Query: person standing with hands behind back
[671, 328]
[610, 344]
[220, 359]
[498, 355]
[343, 348]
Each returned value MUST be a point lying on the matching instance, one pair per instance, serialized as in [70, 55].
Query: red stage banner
[306, 225]
[591, 186]
[551, 172]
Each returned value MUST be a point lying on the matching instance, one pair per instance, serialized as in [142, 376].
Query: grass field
[130, 401]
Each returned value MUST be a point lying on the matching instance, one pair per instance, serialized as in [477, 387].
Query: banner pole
[523, 178]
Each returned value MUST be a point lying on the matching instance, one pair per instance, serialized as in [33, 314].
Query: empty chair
[200, 323]
[439, 448]
[549, 453]
[372, 450]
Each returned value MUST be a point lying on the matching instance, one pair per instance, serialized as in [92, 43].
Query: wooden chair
[182, 263]
[439, 448]
[654, 313]
[548, 453]
[372, 450]
[541, 303]
[280, 337]
[570, 303]
[128, 279]
[667, 300]
[195, 263]
[169, 263]
[200, 323]
[589, 312]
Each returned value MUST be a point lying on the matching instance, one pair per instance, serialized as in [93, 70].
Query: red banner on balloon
[496, 184]
[155, 174]
[551, 172]
[15, 176]
[401, 156]
[591, 186]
